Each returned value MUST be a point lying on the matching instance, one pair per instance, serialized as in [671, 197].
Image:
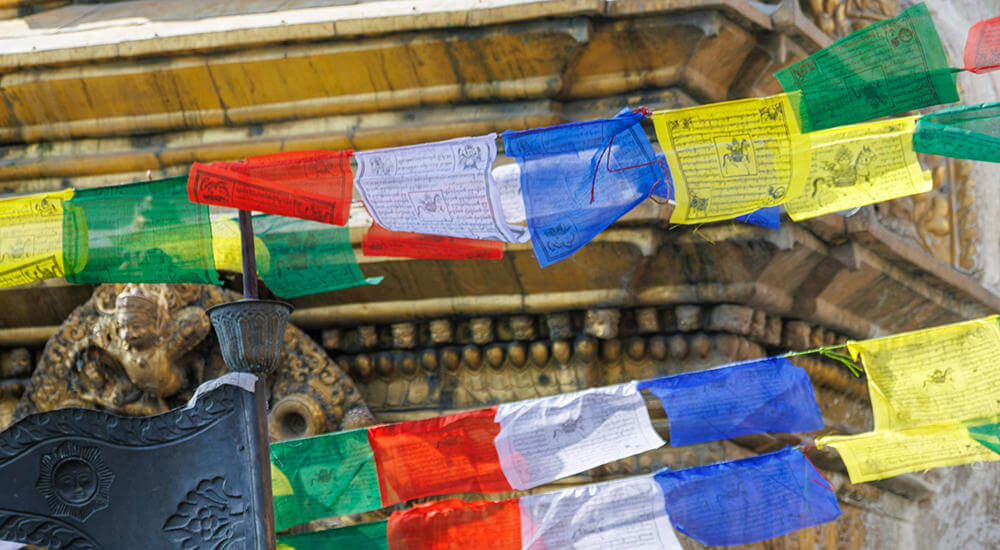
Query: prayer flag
[145, 232]
[306, 257]
[323, 476]
[756, 396]
[578, 178]
[925, 387]
[888, 67]
[769, 217]
[379, 241]
[731, 158]
[441, 188]
[852, 166]
[748, 500]
[964, 132]
[227, 246]
[982, 47]
[31, 238]
[312, 185]
[508, 178]
[364, 536]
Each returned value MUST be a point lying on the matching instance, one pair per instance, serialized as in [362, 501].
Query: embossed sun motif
[75, 481]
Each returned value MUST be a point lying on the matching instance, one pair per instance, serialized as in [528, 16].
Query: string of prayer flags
[306, 257]
[852, 166]
[748, 500]
[729, 159]
[379, 241]
[362, 536]
[964, 132]
[31, 237]
[323, 476]
[579, 178]
[617, 514]
[888, 67]
[441, 188]
[926, 387]
[526, 444]
[145, 232]
[311, 185]
[749, 397]
[737, 502]
[982, 47]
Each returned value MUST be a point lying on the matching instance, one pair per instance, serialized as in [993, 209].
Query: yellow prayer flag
[938, 375]
[280, 486]
[881, 454]
[926, 388]
[857, 165]
[227, 249]
[31, 238]
[731, 158]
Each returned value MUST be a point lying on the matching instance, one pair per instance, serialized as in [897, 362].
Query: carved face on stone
[138, 318]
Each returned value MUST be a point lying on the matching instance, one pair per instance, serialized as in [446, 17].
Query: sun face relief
[75, 481]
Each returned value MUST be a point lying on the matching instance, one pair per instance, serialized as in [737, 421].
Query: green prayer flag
[307, 257]
[886, 68]
[322, 476]
[145, 232]
[364, 536]
[964, 132]
[988, 435]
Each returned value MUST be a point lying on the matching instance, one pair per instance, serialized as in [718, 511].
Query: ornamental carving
[943, 222]
[211, 517]
[841, 17]
[141, 350]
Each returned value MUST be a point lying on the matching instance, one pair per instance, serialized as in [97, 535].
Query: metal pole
[250, 292]
[249, 260]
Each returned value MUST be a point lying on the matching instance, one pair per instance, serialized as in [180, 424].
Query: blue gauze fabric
[558, 166]
[769, 216]
[756, 396]
[749, 500]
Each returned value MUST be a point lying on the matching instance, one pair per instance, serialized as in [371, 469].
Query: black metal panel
[83, 479]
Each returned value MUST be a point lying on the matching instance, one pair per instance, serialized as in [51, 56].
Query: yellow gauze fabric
[31, 238]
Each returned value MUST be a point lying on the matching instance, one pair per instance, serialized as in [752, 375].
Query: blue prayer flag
[578, 178]
[769, 216]
[756, 396]
[748, 500]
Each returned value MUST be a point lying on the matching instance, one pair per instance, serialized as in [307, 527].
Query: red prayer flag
[452, 523]
[982, 47]
[311, 185]
[438, 456]
[380, 241]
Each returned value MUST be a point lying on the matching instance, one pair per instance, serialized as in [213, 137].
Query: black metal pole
[263, 442]
[249, 260]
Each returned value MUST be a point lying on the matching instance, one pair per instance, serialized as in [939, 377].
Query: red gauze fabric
[438, 456]
[311, 185]
[380, 241]
[982, 47]
[452, 524]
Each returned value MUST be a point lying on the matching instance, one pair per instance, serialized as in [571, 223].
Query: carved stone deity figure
[143, 349]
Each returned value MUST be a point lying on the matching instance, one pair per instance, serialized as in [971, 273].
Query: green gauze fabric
[962, 132]
[364, 536]
[886, 68]
[323, 476]
[307, 257]
[146, 232]
[988, 435]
